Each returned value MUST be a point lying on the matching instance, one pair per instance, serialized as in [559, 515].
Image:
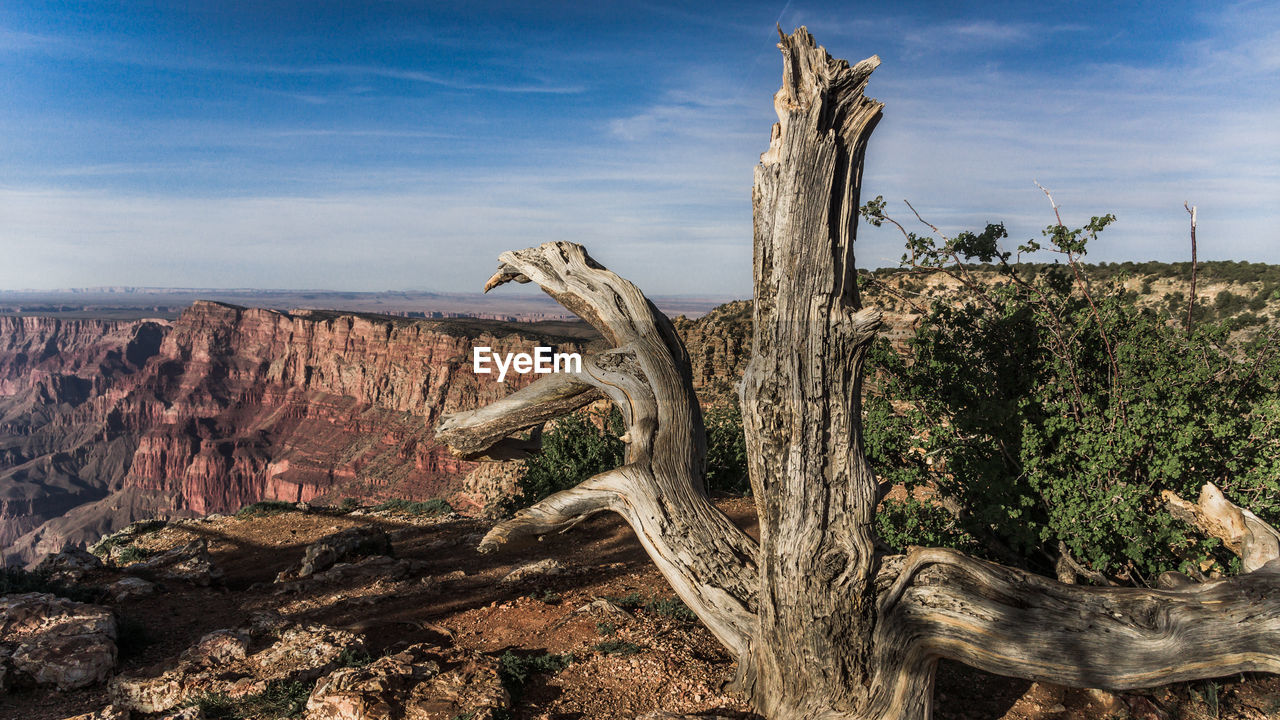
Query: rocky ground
[334, 616]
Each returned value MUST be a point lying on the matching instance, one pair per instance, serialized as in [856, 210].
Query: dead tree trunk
[823, 625]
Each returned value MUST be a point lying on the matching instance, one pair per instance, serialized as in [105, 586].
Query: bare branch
[1011, 622]
[470, 433]
[1242, 532]
[1191, 301]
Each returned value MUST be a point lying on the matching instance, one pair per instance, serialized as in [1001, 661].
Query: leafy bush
[132, 554]
[726, 450]
[514, 671]
[574, 449]
[280, 699]
[672, 608]
[434, 506]
[617, 647]
[1055, 412]
[266, 508]
[349, 658]
[630, 601]
[577, 447]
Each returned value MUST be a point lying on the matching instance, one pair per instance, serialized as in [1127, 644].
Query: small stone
[130, 587]
[218, 648]
[533, 571]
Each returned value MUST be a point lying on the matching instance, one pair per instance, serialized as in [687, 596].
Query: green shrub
[630, 601]
[672, 608]
[280, 699]
[574, 449]
[409, 507]
[514, 671]
[266, 508]
[726, 450]
[1054, 412]
[901, 523]
[349, 658]
[216, 706]
[617, 647]
[132, 554]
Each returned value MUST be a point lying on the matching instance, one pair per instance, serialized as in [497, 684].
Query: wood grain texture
[823, 625]
[708, 561]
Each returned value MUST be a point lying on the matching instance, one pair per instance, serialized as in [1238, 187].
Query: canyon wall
[104, 422]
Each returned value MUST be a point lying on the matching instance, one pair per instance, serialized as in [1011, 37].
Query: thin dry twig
[1191, 302]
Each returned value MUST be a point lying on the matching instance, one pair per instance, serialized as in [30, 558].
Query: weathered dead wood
[822, 625]
[708, 561]
[1242, 532]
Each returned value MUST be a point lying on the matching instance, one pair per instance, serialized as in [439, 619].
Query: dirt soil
[457, 598]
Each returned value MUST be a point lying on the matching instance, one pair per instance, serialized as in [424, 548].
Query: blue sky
[403, 145]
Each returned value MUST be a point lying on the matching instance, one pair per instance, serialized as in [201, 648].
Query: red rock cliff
[103, 421]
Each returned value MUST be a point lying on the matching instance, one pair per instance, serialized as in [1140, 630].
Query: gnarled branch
[708, 561]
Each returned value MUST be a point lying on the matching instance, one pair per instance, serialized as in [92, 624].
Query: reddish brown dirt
[458, 598]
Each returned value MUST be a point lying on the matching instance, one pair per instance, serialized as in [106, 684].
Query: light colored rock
[218, 663]
[56, 641]
[606, 609]
[158, 694]
[412, 682]
[70, 565]
[189, 563]
[130, 587]
[218, 648]
[533, 571]
[304, 653]
[187, 713]
[489, 483]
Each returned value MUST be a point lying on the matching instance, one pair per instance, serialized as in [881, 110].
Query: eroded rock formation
[103, 423]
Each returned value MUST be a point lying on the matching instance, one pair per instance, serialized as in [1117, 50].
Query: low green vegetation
[130, 554]
[574, 449]
[409, 507]
[582, 445]
[630, 601]
[1054, 412]
[549, 597]
[266, 508]
[349, 658]
[726, 450]
[126, 536]
[280, 699]
[617, 647]
[670, 607]
[515, 671]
